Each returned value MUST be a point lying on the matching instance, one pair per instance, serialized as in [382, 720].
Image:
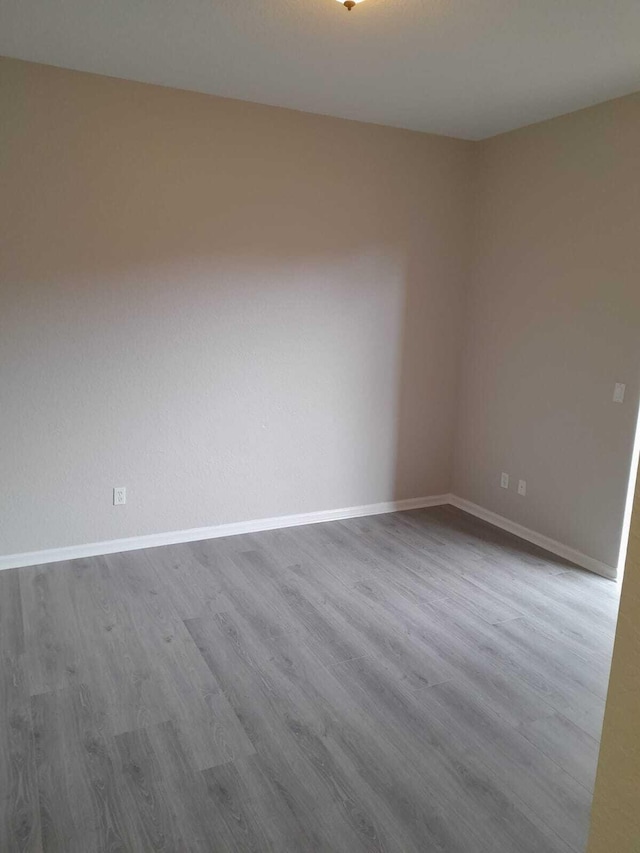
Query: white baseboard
[153, 540]
[545, 542]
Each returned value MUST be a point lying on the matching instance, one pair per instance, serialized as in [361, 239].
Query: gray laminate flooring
[418, 681]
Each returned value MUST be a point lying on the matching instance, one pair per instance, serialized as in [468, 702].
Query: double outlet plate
[522, 484]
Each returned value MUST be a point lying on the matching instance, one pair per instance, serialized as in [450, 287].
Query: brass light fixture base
[349, 4]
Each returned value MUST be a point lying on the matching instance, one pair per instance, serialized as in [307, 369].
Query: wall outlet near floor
[504, 480]
[119, 495]
[618, 392]
[522, 487]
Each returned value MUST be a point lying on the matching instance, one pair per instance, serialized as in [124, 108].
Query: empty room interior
[319, 394]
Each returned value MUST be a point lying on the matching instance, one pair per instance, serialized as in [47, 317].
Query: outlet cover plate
[119, 495]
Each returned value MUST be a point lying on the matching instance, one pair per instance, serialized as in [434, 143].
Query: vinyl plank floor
[486, 813]
[568, 744]
[176, 810]
[19, 814]
[78, 786]
[515, 764]
[406, 683]
[256, 813]
[19, 803]
[269, 681]
[11, 623]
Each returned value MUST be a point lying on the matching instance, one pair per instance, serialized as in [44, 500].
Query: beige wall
[553, 323]
[235, 311]
[615, 816]
[239, 311]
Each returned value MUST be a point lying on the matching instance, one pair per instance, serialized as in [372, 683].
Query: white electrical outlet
[504, 481]
[522, 487]
[119, 495]
[618, 392]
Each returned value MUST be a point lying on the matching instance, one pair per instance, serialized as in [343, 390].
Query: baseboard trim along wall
[153, 540]
[545, 542]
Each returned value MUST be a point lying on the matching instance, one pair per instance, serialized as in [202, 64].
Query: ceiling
[466, 68]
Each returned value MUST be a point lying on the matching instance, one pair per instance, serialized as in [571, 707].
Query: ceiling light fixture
[349, 3]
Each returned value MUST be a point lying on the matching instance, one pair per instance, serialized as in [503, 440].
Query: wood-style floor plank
[78, 785]
[11, 622]
[513, 762]
[242, 810]
[174, 805]
[266, 677]
[406, 683]
[566, 743]
[19, 807]
[19, 803]
[485, 812]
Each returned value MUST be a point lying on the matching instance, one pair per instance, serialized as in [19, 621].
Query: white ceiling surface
[467, 68]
